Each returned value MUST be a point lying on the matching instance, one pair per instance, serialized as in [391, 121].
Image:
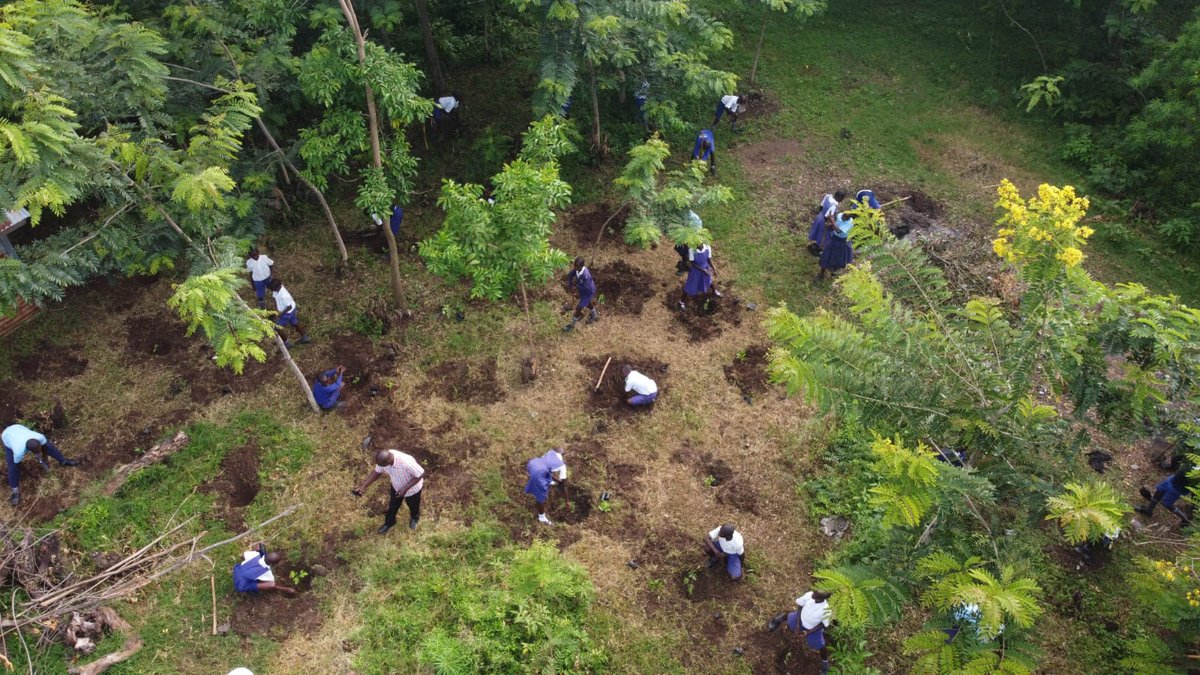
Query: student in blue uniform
[19, 440]
[732, 106]
[694, 222]
[706, 149]
[261, 269]
[699, 282]
[838, 252]
[580, 280]
[545, 472]
[254, 573]
[867, 197]
[327, 390]
[818, 234]
[640, 97]
[285, 305]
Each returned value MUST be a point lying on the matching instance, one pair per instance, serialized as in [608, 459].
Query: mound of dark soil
[205, 381]
[465, 382]
[622, 289]
[609, 399]
[779, 653]
[51, 362]
[366, 373]
[738, 494]
[274, 615]
[671, 546]
[155, 335]
[748, 372]
[704, 320]
[13, 400]
[586, 224]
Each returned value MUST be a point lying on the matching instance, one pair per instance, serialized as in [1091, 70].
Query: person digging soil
[407, 483]
[639, 389]
[544, 472]
[725, 545]
[19, 440]
[580, 280]
[809, 621]
[254, 573]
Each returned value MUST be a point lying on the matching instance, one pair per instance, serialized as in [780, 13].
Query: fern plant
[910, 477]
[861, 597]
[1002, 599]
[1087, 511]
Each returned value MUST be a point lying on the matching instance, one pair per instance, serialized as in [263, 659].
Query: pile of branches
[45, 596]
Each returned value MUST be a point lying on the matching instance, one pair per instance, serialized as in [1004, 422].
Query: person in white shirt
[18, 440]
[408, 479]
[444, 115]
[732, 106]
[644, 390]
[725, 543]
[809, 622]
[254, 573]
[261, 268]
[286, 307]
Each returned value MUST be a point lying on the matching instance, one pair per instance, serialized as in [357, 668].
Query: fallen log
[154, 455]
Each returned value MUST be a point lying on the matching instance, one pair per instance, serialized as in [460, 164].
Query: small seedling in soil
[656, 585]
[297, 576]
[741, 355]
[605, 506]
[689, 581]
[710, 481]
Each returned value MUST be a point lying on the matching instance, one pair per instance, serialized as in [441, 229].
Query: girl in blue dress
[818, 234]
[699, 282]
[837, 253]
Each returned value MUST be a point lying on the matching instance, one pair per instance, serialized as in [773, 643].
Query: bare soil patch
[740, 495]
[586, 224]
[13, 400]
[366, 372]
[748, 372]
[670, 546]
[609, 399]
[779, 653]
[275, 615]
[465, 382]
[621, 288]
[154, 335]
[704, 320]
[236, 486]
[51, 362]
[206, 381]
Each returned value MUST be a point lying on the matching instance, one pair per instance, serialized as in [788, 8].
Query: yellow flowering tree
[1042, 234]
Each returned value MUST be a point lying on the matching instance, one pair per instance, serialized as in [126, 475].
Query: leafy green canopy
[662, 206]
[502, 242]
[625, 43]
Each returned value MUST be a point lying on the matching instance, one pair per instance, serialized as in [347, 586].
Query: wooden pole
[602, 372]
[212, 584]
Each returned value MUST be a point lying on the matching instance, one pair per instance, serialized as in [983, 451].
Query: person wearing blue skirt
[867, 197]
[706, 149]
[580, 280]
[818, 234]
[699, 282]
[838, 252]
[544, 472]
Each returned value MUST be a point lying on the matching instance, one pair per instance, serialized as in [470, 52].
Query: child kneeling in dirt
[725, 543]
[254, 573]
[328, 388]
[645, 390]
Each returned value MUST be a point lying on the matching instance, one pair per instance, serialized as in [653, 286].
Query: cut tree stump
[154, 455]
[86, 629]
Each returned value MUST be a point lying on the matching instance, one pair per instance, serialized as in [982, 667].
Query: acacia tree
[248, 40]
[795, 8]
[348, 76]
[163, 197]
[502, 244]
[660, 200]
[618, 44]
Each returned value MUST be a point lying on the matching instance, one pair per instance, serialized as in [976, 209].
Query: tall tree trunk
[597, 140]
[529, 329]
[762, 32]
[337, 233]
[376, 150]
[287, 356]
[431, 51]
[487, 30]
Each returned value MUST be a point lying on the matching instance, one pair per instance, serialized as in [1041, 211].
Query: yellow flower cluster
[1193, 597]
[1166, 569]
[1043, 226]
